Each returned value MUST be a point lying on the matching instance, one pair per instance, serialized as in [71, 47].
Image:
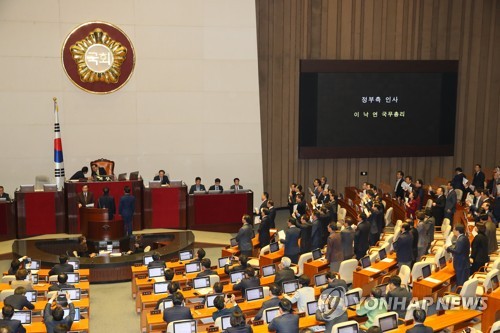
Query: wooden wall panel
[464, 30]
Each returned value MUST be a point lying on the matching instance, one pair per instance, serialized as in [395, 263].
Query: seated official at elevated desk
[4, 196]
[197, 187]
[162, 177]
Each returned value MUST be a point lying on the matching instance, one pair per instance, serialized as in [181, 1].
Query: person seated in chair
[200, 254]
[62, 278]
[274, 301]
[62, 266]
[236, 185]
[398, 298]
[220, 303]
[162, 177]
[419, 316]
[4, 195]
[285, 321]
[206, 265]
[372, 306]
[55, 316]
[97, 170]
[178, 311]
[157, 262]
[19, 301]
[20, 281]
[14, 325]
[173, 287]
[198, 186]
[303, 295]
[238, 324]
[217, 186]
[284, 273]
[241, 266]
[249, 281]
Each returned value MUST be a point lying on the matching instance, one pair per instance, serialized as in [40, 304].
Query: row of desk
[36, 213]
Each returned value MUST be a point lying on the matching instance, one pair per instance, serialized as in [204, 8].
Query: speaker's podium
[96, 226]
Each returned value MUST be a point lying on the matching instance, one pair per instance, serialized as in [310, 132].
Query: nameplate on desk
[301, 314]
[146, 293]
[371, 269]
[225, 283]
[178, 273]
[389, 260]
[174, 259]
[241, 300]
[199, 306]
[213, 329]
[258, 322]
[142, 276]
[155, 312]
[138, 264]
[187, 288]
[432, 280]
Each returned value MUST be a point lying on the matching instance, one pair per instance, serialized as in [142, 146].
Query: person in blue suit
[126, 210]
[460, 252]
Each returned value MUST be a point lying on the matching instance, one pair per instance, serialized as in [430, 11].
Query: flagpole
[58, 152]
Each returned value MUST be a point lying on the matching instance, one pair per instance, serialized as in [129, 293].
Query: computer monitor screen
[210, 299]
[268, 270]
[201, 282]
[186, 255]
[31, 296]
[290, 286]
[34, 278]
[34, 265]
[274, 247]
[156, 272]
[74, 293]
[160, 287]
[134, 175]
[235, 276]
[442, 262]
[317, 254]
[320, 280]
[168, 303]
[270, 314]
[188, 326]
[224, 261]
[122, 176]
[154, 184]
[225, 322]
[27, 188]
[193, 267]
[494, 282]
[426, 271]
[233, 242]
[77, 314]
[388, 323]
[254, 293]
[311, 307]
[147, 259]
[351, 328]
[352, 298]
[23, 316]
[75, 263]
[73, 277]
[382, 254]
[365, 262]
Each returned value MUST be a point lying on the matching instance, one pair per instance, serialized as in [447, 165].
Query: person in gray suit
[423, 235]
[54, 317]
[236, 185]
[284, 273]
[419, 316]
[285, 321]
[347, 238]
[431, 221]
[451, 202]
[178, 311]
[291, 241]
[19, 301]
[332, 313]
[245, 235]
[274, 301]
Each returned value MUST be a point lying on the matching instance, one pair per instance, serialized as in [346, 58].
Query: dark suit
[438, 209]
[420, 328]
[272, 216]
[126, 210]
[177, 312]
[286, 323]
[158, 263]
[329, 323]
[461, 259]
[57, 286]
[264, 236]
[161, 300]
[361, 236]
[316, 234]
[14, 325]
[291, 242]
[61, 268]
[50, 323]
[283, 275]
[263, 204]
[458, 182]
[102, 172]
[164, 180]
[478, 179]
[239, 329]
[450, 206]
[5, 196]
[78, 175]
[107, 201]
[270, 303]
[235, 268]
[398, 300]
[206, 272]
[244, 239]
[400, 193]
[347, 240]
[219, 188]
[305, 236]
[301, 208]
[247, 283]
[233, 187]
[403, 247]
[479, 252]
[195, 187]
[18, 302]
[225, 312]
[85, 200]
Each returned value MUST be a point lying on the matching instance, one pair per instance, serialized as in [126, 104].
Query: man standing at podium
[85, 197]
[107, 201]
[126, 210]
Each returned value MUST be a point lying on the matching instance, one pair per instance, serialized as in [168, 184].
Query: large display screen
[377, 108]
